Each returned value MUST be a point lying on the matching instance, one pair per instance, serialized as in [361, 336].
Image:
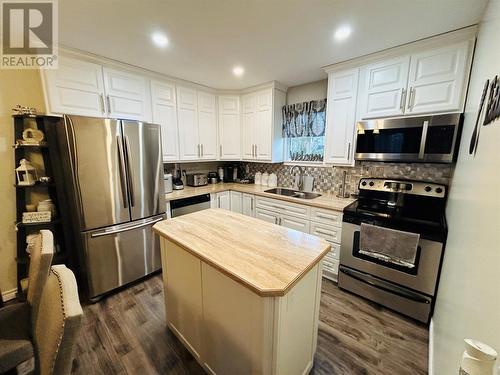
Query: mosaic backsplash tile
[329, 179]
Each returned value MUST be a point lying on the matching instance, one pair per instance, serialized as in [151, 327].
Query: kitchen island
[241, 294]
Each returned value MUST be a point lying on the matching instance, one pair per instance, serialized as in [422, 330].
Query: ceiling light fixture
[342, 33]
[159, 39]
[238, 71]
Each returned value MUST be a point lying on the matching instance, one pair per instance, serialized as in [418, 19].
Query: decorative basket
[37, 217]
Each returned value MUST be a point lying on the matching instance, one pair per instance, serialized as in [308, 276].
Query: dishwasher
[188, 205]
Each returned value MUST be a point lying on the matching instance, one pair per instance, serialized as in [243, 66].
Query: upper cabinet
[384, 88]
[431, 81]
[163, 100]
[127, 95]
[261, 125]
[197, 123]
[341, 117]
[437, 79]
[229, 127]
[76, 87]
[84, 88]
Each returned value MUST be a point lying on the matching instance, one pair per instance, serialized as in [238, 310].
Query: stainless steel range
[393, 240]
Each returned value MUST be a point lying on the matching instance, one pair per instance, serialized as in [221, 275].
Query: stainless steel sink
[293, 193]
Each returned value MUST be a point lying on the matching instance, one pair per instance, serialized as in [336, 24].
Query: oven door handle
[385, 286]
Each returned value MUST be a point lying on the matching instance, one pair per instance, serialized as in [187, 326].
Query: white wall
[307, 92]
[468, 302]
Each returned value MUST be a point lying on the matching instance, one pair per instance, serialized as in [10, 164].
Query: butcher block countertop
[266, 258]
[326, 200]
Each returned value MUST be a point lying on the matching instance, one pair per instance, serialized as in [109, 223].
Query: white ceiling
[283, 40]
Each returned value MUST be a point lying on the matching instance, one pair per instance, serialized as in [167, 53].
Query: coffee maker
[177, 183]
[231, 173]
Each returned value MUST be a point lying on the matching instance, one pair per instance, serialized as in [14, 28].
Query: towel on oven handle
[389, 245]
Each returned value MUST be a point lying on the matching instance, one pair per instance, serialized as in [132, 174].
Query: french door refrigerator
[114, 179]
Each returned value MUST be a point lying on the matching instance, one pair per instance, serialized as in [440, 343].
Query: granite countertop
[266, 258]
[326, 200]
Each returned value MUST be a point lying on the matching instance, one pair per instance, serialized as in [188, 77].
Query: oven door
[422, 278]
[414, 139]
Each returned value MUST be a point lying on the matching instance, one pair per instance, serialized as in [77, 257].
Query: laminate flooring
[126, 334]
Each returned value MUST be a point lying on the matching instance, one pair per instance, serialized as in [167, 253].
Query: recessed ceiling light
[159, 39]
[238, 71]
[342, 33]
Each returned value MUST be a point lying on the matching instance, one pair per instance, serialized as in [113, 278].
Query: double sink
[293, 193]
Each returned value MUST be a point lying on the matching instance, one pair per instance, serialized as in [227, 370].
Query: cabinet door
[248, 126]
[224, 200]
[128, 95]
[236, 201]
[384, 88]
[248, 205]
[76, 87]
[229, 128]
[264, 125]
[207, 125]
[302, 225]
[268, 216]
[187, 119]
[165, 114]
[341, 117]
[437, 79]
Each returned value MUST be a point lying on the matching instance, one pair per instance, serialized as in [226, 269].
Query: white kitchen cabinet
[207, 125]
[384, 88]
[127, 95]
[223, 200]
[261, 125]
[248, 205]
[269, 216]
[165, 114]
[187, 118]
[229, 127]
[341, 117]
[236, 201]
[437, 79]
[302, 225]
[75, 87]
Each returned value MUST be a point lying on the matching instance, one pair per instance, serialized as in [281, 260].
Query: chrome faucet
[297, 181]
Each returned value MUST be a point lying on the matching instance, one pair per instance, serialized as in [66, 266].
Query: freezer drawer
[120, 254]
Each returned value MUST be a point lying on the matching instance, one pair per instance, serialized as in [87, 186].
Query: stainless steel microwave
[430, 139]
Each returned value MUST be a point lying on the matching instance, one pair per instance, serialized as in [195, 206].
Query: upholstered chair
[57, 324]
[16, 319]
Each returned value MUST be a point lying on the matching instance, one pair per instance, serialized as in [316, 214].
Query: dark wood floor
[126, 334]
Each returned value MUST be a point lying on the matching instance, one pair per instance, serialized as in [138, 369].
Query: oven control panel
[402, 186]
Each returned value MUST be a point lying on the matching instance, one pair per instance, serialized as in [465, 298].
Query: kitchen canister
[273, 180]
[258, 178]
[265, 179]
[308, 183]
[477, 358]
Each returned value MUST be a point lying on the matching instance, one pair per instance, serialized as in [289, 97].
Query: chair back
[58, 322]
[41, 255]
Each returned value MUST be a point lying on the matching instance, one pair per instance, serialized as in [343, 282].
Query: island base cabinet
[232, 330]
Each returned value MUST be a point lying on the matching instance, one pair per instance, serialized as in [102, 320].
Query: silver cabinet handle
[103, 106]
[349, 151]
[402, 101]
[410, 99]
[256, 151]
[279, 223]
[198, 146]
[220, 150]
[109, 104]
[218, 200]
[275, 220]
[251, 204]
[202, 150]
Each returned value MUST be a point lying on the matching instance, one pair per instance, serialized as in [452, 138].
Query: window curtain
[305, 119]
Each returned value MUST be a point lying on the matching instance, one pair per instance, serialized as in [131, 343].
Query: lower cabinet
[268, 216]
[248, 204]
[221, 200]
[302, 225]
[236, 201]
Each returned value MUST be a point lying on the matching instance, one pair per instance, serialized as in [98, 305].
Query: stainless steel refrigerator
[114, 179]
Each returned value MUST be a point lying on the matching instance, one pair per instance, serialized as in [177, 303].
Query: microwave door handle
[423, 140]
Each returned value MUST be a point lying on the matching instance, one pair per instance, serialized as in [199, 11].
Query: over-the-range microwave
[430, 139]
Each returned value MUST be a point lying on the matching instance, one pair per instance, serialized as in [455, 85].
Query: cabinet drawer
[331, 270]
[328, 232]
[326, 216]
[295, 210]
[292, 222]
[334, 253]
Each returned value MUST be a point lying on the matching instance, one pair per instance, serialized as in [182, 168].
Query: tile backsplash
[329, 179]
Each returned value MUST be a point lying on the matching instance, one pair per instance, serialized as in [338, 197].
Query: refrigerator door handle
[125, 228]
[73, 158]
[122, 171]
[129, 170]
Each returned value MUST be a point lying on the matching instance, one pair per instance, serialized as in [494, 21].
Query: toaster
[196, 179]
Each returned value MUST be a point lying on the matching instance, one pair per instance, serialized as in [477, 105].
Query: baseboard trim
[431, 348]
[9, 294]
